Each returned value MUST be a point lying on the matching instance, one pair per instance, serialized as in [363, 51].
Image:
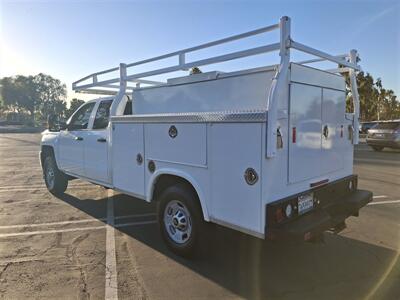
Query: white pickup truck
[267, 151]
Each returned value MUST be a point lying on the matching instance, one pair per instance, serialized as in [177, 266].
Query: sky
[71, 39]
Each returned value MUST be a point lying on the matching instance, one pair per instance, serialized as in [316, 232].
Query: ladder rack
[91, 83]
[127, 82]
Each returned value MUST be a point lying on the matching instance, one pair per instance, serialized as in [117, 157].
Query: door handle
[325, 131]
[78, 138]
[101, 140]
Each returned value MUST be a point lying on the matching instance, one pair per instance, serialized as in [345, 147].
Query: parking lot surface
[93, 243]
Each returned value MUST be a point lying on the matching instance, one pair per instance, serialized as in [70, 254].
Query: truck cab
[81, 146]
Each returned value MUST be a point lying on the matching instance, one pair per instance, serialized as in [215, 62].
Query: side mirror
[55, 124]
[62, 125]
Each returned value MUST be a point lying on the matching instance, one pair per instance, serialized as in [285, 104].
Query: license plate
[305, 203]
[379, 135]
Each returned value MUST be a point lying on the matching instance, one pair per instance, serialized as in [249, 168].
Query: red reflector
[279, 215]
[294, 135]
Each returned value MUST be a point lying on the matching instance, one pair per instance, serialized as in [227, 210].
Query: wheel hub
[177, 222]
[50, 176]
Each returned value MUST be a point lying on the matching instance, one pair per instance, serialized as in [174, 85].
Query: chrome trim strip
[197, 117]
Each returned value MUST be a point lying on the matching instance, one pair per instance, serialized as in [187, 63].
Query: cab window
[128, 108]
[102, 115]
[80, 120]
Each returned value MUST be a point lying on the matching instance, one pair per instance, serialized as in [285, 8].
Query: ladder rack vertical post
[279, 87]
[182, 59]
[356, 99]
[117, 107]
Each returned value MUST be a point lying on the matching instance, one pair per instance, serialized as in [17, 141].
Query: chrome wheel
[50, 175]
[177, 222]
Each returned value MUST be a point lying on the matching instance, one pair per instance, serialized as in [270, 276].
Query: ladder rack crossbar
[182, 64]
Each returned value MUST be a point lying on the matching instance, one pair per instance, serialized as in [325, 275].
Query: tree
[376, 102]
[51, 96]
[75, 103]
[391, 106]
[38, 95]
[19, 94]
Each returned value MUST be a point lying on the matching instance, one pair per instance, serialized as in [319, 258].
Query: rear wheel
[180, 219]
[56, 181]
[377, 148]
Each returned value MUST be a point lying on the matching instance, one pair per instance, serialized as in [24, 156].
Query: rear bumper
[332, 212]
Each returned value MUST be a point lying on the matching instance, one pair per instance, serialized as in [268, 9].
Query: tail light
[283, 211]
[279, 215]
[294, 135]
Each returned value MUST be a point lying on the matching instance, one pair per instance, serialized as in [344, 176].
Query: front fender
[183, 175]
[50, 139]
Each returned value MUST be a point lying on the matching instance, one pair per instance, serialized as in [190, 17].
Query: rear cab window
[128, 108]
[102, 115]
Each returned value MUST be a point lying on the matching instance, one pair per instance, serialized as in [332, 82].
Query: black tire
[377, 148]
[59, 183]
[176, 195]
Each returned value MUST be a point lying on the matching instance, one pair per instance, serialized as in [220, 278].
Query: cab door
[96, 144]
[71, 141]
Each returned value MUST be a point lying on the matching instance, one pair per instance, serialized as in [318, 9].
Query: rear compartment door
[316, 145]
[332, 141]
[305, 132]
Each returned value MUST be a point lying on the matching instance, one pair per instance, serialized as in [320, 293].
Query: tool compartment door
[234, 148]
[127, 170]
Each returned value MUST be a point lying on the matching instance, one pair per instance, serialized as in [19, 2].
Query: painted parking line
[111, 283]
[20, 190]
[52, 223]
[3, 235]
[44, 189]
[39, 185]
[13, 234]
[82, 221]
[135, 224]
[384, 202]
[133, 216]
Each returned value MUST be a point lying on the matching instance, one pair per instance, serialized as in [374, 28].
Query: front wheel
[180, 219]
[56, 181]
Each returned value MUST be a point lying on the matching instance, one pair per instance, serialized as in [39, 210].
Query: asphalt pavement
[93, 243]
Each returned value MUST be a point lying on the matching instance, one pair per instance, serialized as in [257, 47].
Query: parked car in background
[365, 126]
[384, 134]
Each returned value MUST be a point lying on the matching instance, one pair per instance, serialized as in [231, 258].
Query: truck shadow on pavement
[340, 268]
